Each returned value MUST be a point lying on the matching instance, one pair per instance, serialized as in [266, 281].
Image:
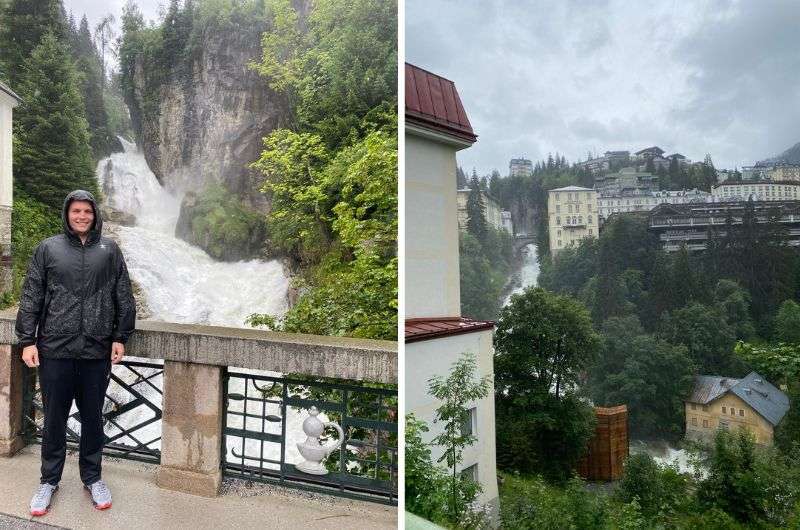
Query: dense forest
[69, 119]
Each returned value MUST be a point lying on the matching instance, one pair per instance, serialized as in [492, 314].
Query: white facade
[427, 358]
[572, 215]
[508, 223]
[762, 190]
[431, 227]
[610, 204]
[8, 101]
[433, 291]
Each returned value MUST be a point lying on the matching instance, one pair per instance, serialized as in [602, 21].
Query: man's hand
[117, 352]
[30, 356]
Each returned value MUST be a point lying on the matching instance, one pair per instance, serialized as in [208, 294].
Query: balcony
[216, 412]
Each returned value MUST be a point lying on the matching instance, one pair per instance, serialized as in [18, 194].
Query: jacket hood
[97, 226]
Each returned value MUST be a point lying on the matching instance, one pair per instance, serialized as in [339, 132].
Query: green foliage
[753, 485]
[779, 363]
[787, 433]
[428, 488]
[484, 269]
[539, 433]
[543, 342]
[707, 336]
[455, 392]
[476, 211]
[650, 376]
[223, 227]
[337, 213]
[658, 490]
[51, 138]
[787, 322]
[31, 222]
[23, 25]
[530, 503]
[336, 64]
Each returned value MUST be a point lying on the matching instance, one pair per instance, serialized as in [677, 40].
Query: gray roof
[4, 88]
[754, 390]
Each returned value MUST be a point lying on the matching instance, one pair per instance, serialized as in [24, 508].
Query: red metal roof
[432, 102]
[418, 329]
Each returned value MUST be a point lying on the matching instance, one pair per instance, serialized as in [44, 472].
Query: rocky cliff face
[212, 115]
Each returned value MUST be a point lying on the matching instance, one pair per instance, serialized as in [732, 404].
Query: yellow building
[751, 403]
[572, 216]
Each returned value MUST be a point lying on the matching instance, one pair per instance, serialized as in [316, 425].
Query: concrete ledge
[295, 353]
[203, 484]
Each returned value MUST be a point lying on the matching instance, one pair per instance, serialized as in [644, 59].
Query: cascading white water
[181, 283]
[528, 274]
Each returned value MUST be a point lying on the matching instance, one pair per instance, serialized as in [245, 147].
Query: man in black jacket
[76, 313]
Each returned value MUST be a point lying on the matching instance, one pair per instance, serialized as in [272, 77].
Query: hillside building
[491, 210]
[609, 204]
[520, 167]
[762, 190]
[572, 215]
[752, 403]
[436, 334]
[694, 224]
[627, 180]
[785, 171]
[8, 100]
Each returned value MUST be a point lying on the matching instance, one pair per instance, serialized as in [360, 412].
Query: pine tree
[88, 64]
[52, 155]
[23, 23]
[476, 214]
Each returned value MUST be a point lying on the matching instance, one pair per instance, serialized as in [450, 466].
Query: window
[741, 412]
[577, 207]
[559, 233]
[724, 410]
[580, 219]
[590, 219]
[705, 424]
[470, 472]
[705, 408]
[558, 208]
[694, 421]
[558, 196]
[558, 222]
[694, 407]
[569, 208]
[733, 411]
[559, 243]
[468, 427]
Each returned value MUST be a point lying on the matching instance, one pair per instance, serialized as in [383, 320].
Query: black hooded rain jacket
[77, 298]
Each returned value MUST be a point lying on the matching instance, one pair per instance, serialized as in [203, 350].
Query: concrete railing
[195, 360]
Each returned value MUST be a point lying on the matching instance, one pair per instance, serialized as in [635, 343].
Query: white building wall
[431, 241]
[427, 358]
[6, 105]
[759, 191]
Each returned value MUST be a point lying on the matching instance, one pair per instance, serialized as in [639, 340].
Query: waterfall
[181, 283]
[528, 274]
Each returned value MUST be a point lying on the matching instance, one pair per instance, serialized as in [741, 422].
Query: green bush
[429, 488]
[31, 222]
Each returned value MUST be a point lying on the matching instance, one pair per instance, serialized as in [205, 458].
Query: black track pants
[85, 381]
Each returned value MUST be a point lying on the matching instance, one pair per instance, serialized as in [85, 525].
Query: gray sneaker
[101, 495]
[40, 503]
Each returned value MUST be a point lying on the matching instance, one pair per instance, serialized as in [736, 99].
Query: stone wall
[6, 276]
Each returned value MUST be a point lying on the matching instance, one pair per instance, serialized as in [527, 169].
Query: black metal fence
[132, 412]
[263, 424]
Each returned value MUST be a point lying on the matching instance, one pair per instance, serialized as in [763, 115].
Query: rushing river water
[181, 283]
[528, 274]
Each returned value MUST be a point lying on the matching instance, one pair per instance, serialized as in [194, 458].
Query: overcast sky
[95, 10]
[715, 76]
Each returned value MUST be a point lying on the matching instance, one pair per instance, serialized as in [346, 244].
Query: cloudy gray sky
[710, 76]
[95, 10]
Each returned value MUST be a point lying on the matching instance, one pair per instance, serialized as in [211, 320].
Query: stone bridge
[520, 240]
[191, 459]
